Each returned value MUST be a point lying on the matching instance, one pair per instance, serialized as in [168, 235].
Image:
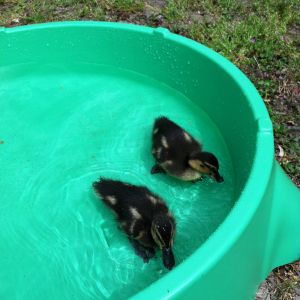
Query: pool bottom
[68, 125]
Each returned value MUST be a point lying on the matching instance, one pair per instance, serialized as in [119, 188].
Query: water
[63, 127]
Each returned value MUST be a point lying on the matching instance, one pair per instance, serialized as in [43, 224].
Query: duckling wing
[139, 230]
[172, 145]
[128, 201]
[140, 204]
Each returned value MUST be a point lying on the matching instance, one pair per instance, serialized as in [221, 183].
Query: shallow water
[63, 127]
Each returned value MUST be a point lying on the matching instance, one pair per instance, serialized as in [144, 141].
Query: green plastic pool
[78, 100]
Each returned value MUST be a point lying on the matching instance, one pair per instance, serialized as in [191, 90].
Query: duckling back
[129, 201]
[172, 146]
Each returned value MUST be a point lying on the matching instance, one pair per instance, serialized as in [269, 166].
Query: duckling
[178, 154]
[143, 216]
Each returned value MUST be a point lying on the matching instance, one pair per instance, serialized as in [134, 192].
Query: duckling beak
[218, 177]
[168, 258]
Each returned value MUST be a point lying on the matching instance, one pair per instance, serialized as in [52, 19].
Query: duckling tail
[100, 185]
[162, 120]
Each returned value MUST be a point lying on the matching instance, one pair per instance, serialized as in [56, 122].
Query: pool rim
[212, 250]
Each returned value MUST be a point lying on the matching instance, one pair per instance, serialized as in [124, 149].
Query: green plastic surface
[77, 101]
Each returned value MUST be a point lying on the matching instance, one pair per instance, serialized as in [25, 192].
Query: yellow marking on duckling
[187, 137]
[131, 228]
[198, 165]
[111, 199]
[155, 130]
[158, 238]
[140, 235]
[167, 163]
[189, 175]
[210, 166]
[158, 152]
[164, 142]
[152, 199]
[135, 214]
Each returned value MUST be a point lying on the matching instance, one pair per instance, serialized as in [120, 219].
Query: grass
[287, 280]
[261, 37]
[17, 12]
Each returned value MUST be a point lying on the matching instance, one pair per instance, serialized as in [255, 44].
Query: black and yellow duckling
[143, 216]
[178, 154]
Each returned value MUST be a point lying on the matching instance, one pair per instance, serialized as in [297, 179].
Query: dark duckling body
[143, 216]
[178, 154]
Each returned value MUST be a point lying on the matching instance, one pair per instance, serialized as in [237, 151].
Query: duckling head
[163, 231]
[205, 163]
